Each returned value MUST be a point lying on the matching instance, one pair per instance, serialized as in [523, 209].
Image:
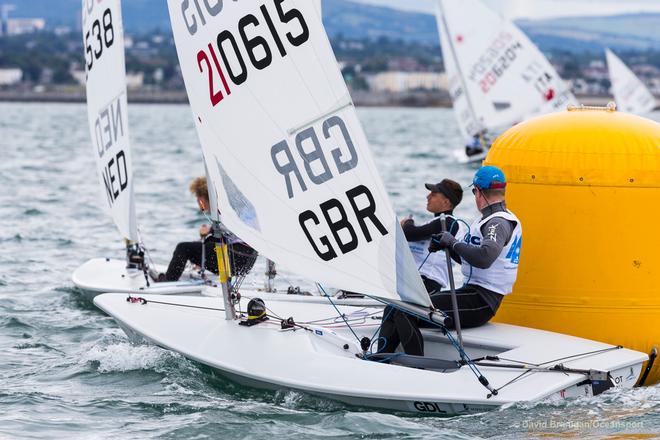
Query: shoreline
[414, 99]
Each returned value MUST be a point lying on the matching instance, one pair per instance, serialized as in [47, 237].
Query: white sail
[630, 93]
[286, 153]
[103, 42]
[497, 76]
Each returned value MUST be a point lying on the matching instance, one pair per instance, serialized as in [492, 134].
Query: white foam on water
[124, 357]
[635, 398]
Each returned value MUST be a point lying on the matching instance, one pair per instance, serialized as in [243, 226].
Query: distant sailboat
[497, 76]
[630, 93]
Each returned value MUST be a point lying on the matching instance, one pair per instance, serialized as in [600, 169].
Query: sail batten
[285, 151]
[107, 110]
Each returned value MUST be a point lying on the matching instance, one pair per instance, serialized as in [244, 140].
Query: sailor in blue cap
[489, 254]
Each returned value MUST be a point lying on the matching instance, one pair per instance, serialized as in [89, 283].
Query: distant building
[18, 26]
[62, 30]
[134, 80]
[4, 17]
[159, 75]
[398, 82]
[404, 64]
[10, 77]
[80, 76]
[580, 86]
[596, 71]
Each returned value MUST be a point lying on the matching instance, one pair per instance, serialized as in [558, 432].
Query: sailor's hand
[441, 242]
[204, 230]
[406, 219]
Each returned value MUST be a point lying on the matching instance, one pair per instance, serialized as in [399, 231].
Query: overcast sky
[541, 8]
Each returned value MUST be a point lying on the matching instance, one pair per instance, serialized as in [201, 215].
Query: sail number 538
[100, 36]
[224, 58]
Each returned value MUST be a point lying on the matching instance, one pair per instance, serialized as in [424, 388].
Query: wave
[14, 322]
[124, 357]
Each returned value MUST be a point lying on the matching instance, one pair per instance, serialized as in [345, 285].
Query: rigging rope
[338, 312]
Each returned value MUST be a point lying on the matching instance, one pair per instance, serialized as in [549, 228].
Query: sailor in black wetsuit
[489, 257]
[399, 327]
[442, 199]
[242, 256]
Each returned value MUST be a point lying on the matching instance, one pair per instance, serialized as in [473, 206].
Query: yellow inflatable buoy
[586, 185]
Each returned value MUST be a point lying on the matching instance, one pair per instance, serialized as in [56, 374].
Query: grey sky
[541, 8]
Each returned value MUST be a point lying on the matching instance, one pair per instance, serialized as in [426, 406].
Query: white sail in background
[630, 93]
[319, 7]
[285, 150]
[103, 42]
[497, 76]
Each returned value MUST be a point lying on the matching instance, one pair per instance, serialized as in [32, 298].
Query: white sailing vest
[435, 267]
[501, 275]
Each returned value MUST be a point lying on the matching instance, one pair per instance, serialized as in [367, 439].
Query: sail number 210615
[223, 58]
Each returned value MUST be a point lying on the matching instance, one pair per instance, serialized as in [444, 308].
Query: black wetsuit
[476, 305]
[241, 255]
[424, 232]
[399, 327]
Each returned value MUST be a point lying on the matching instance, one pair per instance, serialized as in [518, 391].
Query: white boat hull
[100, 275]
[462, 158]
[323, 361]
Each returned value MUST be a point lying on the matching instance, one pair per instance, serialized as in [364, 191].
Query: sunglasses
[474, 191]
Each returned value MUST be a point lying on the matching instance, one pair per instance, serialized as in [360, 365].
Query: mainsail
[285, 150]
[103, 41]
[497, 76]
[630, 93]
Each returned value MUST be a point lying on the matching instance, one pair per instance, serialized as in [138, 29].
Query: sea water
[67, 371]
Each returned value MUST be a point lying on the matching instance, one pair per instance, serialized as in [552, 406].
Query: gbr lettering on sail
[315, 155]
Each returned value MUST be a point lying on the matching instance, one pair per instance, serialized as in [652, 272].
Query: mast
[452, 49]
[221, 248]
[224, 269]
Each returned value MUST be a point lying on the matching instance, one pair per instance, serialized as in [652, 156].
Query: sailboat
[107, 113]
[497, 76]
[293, 176]
[630, 93]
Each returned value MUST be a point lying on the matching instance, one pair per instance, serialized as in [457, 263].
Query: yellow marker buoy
[586, 185]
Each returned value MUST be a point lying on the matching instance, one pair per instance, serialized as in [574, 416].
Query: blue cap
[489, 178]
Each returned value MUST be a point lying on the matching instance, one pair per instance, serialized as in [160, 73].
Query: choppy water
[67, 371]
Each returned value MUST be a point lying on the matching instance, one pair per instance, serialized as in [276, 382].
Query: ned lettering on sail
[109, 133]
[318, 171]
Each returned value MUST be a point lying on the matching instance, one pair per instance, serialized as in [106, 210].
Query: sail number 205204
[256, 34]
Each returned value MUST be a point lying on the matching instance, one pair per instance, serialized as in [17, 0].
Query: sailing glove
[441, 241]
